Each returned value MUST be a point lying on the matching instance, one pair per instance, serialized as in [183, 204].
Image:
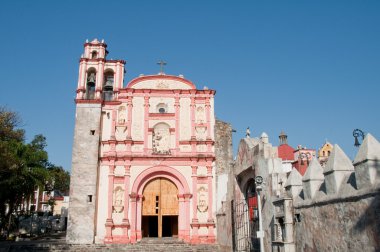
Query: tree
[23, 167]
[60, 177]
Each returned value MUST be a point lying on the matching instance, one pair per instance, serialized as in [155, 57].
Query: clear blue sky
[310, 68]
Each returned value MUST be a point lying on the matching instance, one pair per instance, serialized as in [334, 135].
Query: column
[208, 106]
[99, 79]
[181, 217]
[126, 201]
[195, 228]
[109, 221]
[129, 116]
[177, 121]
[113, 127]
[81, 80]
[146, 122]
[210, 220]
[187, 219]
[192, 115]
[138, 221]
[133, 217]
[195, 194]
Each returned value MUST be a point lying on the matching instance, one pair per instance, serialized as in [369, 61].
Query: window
[94, 55]
[162, 108]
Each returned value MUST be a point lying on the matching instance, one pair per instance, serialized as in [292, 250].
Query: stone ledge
[337, 198]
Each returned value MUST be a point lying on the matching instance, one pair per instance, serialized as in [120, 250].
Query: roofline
[160, 76]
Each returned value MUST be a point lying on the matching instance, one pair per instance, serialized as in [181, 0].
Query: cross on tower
[162, 64]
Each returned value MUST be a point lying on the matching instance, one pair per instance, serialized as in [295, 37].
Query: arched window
[90, 86]
[94, 55]
[324, 154]
[108, 85]
[328, 153]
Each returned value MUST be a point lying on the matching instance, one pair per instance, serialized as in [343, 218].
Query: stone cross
[162, 64]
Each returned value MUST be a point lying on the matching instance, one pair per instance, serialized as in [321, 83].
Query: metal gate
[244, 227]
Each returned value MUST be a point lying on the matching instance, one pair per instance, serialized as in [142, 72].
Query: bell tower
[99, 78]
[99, 83]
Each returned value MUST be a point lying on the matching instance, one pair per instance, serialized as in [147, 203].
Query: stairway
[145, 245]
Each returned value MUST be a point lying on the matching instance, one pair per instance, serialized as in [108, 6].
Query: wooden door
[160, 199]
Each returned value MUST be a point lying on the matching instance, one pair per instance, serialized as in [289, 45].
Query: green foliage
[23, 166]
[60, 178]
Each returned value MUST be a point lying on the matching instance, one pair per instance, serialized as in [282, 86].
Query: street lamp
[356, 133]
[260, 234]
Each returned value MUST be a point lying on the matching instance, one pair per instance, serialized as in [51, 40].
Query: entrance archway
[183, 195]
[160, 209]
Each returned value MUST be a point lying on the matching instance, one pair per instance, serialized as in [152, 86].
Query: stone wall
[337, 208]
[84, 172]
[223, 162]
[340, 224]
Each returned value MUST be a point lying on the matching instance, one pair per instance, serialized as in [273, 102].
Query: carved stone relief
[202, 199]
[118, 199]
[162, 85]
[161, 139]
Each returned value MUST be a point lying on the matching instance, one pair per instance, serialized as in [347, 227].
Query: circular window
[161, 110]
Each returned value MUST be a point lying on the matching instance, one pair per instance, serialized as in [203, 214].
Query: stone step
[147, 245]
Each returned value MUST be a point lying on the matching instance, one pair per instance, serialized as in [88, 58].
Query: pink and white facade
[156, 127]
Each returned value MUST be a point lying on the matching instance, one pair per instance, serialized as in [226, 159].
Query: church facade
[143, 156]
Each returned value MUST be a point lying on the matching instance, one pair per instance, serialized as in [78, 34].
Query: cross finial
[162, 64]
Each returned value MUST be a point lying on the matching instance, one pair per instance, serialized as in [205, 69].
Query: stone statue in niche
[200, 118]
[161, 139]
[202, 199]
[122, 115]
[118, 199]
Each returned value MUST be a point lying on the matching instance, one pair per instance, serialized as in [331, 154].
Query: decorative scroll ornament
[202, 200]
[118, 200]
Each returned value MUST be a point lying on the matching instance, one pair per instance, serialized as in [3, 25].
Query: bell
[357, 144]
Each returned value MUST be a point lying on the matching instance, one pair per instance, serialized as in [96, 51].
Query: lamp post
[356, 133]
[260, 233]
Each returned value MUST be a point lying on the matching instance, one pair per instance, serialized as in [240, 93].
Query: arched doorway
[160, 209]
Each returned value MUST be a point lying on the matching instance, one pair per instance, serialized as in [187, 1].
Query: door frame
[159, 202]
[184, 196]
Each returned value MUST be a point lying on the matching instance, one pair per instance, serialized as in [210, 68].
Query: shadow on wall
[369, 222]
